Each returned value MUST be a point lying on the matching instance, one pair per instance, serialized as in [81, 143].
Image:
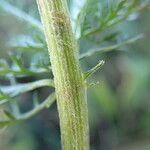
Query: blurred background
[119, 106]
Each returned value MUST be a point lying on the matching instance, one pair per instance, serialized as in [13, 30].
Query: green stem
[110, 48]
[69, 84]
[17, 118]
[46, 104]
[10, 9]
[7, 93]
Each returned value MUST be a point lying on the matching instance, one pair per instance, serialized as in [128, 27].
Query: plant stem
[46, 104]
[69, 84]
[110, 48]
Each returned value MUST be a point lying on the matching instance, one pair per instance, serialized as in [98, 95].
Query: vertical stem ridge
[70, 88]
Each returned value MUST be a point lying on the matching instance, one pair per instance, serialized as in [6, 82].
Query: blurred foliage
[116, 31]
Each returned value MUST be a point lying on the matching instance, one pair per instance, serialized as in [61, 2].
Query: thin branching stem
[9, 92]
[109, 48]
[20, 14]
[22, 117]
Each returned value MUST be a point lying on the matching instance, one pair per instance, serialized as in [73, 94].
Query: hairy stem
[69, 84]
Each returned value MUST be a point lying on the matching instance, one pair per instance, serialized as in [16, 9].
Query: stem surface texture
[69, 84]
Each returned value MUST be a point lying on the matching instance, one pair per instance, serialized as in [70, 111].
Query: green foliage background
[119, 106]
